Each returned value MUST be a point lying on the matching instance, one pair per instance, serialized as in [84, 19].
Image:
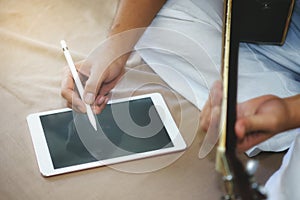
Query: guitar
[244, 21]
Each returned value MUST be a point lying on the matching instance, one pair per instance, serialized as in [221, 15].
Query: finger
[92, 87]
[99, 108]
[78, 109]
[107, 87]
[101, 99]
[253, 123]
[204, 116]
[216, 94]
[67, 92]
[214, 125]
[251, 140]
[214, 100]
[104, 92]
[76, 103]
[213, 133]
[67, 85]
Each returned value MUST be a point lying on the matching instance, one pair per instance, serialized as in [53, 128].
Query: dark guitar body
[255, 21]
[264, 21]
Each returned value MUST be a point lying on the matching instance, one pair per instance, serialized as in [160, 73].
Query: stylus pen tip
[93, 122]
[91, 116]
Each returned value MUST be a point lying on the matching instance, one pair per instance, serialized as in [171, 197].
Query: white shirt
[183, 46]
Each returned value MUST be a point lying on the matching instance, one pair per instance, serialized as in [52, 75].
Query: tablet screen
[67, 146]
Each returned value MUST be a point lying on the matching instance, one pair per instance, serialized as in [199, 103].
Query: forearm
[132, 14]
[131, 19]
[293, 104]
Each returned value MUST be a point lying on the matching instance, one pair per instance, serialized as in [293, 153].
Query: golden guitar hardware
[255, 21]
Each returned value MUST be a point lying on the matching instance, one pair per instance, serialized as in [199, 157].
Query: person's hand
[105, 65]
[99, 75]
[259, 119]
[212, 107]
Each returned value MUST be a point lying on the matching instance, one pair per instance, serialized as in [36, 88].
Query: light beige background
[30, 75]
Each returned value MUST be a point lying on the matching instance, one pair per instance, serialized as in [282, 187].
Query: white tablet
[127, 129]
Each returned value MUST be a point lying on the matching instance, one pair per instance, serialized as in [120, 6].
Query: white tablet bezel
[43, 155]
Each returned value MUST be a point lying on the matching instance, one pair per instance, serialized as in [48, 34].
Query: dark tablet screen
[123, 129]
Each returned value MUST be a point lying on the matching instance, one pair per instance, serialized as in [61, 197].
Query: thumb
[250, 124]
[92, 87]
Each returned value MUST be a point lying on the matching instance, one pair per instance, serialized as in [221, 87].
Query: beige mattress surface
[31, 71]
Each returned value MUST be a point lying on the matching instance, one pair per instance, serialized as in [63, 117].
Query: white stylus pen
[78, 83]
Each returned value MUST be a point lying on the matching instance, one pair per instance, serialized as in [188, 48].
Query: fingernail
[101, 100]
[89, 98]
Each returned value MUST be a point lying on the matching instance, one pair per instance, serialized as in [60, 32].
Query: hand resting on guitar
[258, 119]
